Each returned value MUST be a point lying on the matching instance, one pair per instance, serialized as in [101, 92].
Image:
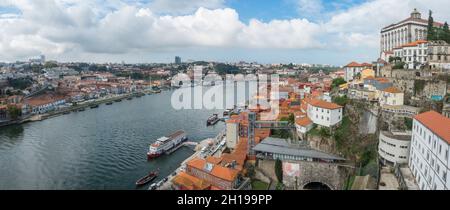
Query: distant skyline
[147, 31]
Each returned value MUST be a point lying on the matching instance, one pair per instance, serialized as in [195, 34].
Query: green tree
[446, 33]
[337, 82]
[431, 30]
[279, 170]
[14, 112]
[49, 65]
[340, 100]
[291, 119]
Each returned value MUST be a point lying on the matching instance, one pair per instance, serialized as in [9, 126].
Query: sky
[144, 31]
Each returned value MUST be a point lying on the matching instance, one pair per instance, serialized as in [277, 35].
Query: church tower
[416, 14]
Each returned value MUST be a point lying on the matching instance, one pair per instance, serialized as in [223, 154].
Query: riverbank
[215, 150]
[99, 149]
[81, 106]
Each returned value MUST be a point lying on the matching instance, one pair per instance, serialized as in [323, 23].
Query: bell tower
[416, 14]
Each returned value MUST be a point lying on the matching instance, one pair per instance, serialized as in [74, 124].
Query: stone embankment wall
[332, 175]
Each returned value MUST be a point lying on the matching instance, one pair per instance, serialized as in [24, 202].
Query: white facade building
[414, 54]
[324, 113]
[429, 157]
[393, 147]
[352, 69]
[409, 30]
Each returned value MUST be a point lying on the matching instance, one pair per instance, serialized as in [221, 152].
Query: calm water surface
[102, 148]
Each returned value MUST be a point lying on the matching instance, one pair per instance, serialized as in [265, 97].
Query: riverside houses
[45, 103]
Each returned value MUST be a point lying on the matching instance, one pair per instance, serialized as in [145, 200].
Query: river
[97, 149]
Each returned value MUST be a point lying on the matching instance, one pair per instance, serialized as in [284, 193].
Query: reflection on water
[102, 148]
[10, 135]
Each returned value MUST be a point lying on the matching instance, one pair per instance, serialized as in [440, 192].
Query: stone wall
[332, 175]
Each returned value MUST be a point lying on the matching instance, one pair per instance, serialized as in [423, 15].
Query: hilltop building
[412, 29]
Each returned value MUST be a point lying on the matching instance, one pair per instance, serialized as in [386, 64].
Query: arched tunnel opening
[316, 186]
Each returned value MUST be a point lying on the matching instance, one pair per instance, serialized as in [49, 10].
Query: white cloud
[61, 28]
[309, 8]
[177, 7]
[66, 26]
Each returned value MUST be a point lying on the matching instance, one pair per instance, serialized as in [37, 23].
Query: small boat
[94, 106]
[118, 100]
[81, 110]
[146, 179]
[65, 113]
[130, 98]
[212, 120]
[109, 103]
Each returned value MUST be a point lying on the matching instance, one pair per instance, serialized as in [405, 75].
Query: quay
[199, 152]
[79, 107]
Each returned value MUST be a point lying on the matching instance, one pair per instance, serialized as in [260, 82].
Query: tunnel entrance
[316, 186]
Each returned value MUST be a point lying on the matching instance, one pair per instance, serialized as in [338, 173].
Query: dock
[185, 144]
[198, 153]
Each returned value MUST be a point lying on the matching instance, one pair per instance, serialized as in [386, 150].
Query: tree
[446, 33]
[279, 170]
[431, 31]
[49, 65]
[14, 112]
[340, 100]
[291, 119]
[337, 82]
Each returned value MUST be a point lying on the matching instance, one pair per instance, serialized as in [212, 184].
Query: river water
[102, 148]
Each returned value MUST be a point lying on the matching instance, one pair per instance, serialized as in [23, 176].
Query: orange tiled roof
[190, 182]
[355, 64]
[413, 44]
[324, 104]
[437, 123]
[224, 173]
[43, 99]
[213, 160]
[392, 90]
[305, 121]
[221, 172]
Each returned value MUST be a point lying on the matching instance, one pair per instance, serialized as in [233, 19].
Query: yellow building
[367, 73]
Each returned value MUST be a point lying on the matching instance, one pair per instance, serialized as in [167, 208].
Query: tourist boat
[165, 144]
[94, 106]
[146, 179]
[212, 120]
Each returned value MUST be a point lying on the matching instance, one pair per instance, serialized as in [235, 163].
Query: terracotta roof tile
[392, 90]
[324, 104]
[437, 123]
[305, 121]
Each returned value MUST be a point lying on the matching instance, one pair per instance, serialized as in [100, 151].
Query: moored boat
[212, 120]
[146, 179]
[165, 144]
[94, 106]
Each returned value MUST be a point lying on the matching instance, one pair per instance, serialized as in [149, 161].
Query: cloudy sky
[266, 31]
